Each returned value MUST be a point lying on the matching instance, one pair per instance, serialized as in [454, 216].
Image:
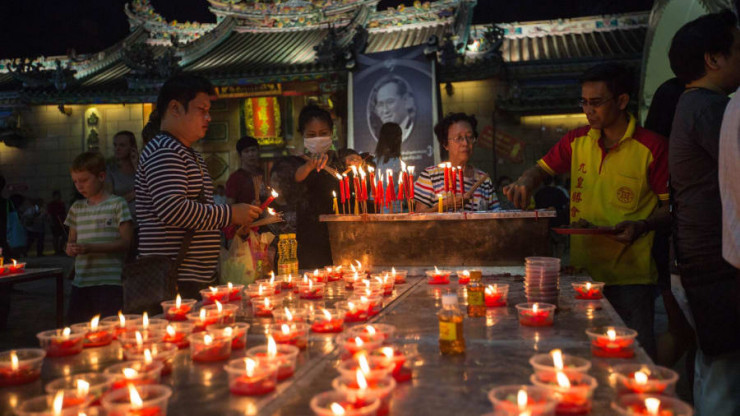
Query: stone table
[498, 351]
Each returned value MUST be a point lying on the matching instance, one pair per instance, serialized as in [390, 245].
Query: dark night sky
[30, 28]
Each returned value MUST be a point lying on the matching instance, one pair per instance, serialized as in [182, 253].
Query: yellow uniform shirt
[608, 187]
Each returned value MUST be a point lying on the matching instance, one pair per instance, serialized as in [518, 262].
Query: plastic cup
[372, 304]
[540, 401]
[259, 290]
[573, 400]
[284, 360]
[536, 314]
[99, 384]
[438, 277]
[612, 342]
[236, 331]
[116, 321]
[379, 388]
[311, 290]
[215, 293]
[321, 404]
[179, 333]
[393, 356]
[398, 275]
[588, 290]
[351, 344]
[543, 363]
[353, 312]
[130, 339]
[99, 337]
[263, 307]
[208, 348]
[286, 314]
[277, 288]
[57, 344]
[137, 324]
[653, 380]
[295, 334]
[495, 295]
[143, 373]
[163, 352]
[28, 370]
[378, 369]
[43, 405]
[635, 404]
[256, 381]
[372, 332]
[333, 323]
[173, 313]
[155, 398]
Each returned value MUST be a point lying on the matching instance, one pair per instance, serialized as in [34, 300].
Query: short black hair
[151, 128]
[313, 111]
[390, 138]
[245, 143]
[711, 33]
[618, 78]
[440, 130]
[131, 137]
[182, 88]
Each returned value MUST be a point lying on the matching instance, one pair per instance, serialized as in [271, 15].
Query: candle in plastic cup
[21, 366]
[178, 309]
[134, 372]
[612, 342]
[251, 377]
[150, 400]
[651, 405]
[536, 314]
[644, 379]
[283, 356]
[61, 342]
[333, 403]
[573, 391]
[208, 348]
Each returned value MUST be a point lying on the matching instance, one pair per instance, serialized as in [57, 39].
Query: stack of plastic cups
[542, 279]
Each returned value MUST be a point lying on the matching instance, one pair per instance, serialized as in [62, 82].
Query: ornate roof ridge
[142, 13]
[572, 25]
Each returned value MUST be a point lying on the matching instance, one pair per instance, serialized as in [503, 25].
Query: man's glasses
[594, 103]
[463, 139]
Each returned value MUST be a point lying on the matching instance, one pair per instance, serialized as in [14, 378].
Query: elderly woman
[457, 134]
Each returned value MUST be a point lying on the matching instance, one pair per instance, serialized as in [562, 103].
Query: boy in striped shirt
[100, 233]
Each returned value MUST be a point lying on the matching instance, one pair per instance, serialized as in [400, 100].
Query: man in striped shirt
[174, 192]
[457, 134]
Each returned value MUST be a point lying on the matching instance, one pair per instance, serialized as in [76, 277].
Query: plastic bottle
[284, 264]
[476, 296]
[451, 337]
[293, 246]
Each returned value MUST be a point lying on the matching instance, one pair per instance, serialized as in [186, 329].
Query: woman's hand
[317, 162]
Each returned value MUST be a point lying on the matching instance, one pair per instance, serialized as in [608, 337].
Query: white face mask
[317, 145]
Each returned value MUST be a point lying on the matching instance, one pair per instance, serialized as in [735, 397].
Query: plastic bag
[237, 265]
[259, 244]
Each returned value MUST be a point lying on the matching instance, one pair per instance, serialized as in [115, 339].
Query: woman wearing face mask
[312, 187]
[457, 134]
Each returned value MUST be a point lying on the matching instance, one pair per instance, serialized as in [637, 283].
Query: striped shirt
[168, 183]
[95, 224]
[431, 182]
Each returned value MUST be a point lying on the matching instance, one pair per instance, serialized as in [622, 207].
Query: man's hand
[519, 192]
[627, 232]
[244, 214]
[71, 249]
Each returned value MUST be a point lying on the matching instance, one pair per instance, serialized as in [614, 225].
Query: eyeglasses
[463, 139]
[594, 103]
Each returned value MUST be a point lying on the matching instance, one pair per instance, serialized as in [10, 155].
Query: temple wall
[42, 165]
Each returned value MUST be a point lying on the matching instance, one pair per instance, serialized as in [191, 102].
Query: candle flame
[202, 314]
[354, 170]
[15, 263]
[557, 359]
[271, 347]
[359, 265]
[250, 365]
[121, 319]
[136, 402]
[230, 285]
[358, 341]
[361, 382]
[207, 339]
[521, 399]
[641, 378]
[228, 331]
[147, 356]
[130, 373]
[178, 301]
[441, 165]
[288, 314]
[66, 332]
[400, 178]
[436, 270]
[145, 320]
[339, 177]
[219, 307]
[334, 194]
[351, 307]
[411, 170]
[535, 307]
[448, 165]
[316, 273]
[267, 303]
[403, 165]
[652, 405]
[310, 284]
[362, 173]
[259, 290]
[139, 339]
[13, 361]
[327, 314]
[563, 380]
[588, 285]
[213, 289]
[370, 329]
[612, 334]
[353, 268]
[362, 361]
[285, 329]
[466, 273]
[83, 387]
[336, 409]
[58, 402]
[274, 194]
[305, 277]
[387, 351]
[491, 289]
[270, 211]
[170, 330]
[393, 271]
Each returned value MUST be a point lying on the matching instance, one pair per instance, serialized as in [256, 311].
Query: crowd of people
[162, 201]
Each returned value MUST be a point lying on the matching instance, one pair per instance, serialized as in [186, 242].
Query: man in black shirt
[705, 53]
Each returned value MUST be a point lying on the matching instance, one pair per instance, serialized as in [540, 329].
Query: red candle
[61, 343]
[352, 312]
[214, 294]
[20, 367]
[207, 348]
[463, 277]
[269, 200]
[249, 377]
[438, 277]
[411, 182]
[536, 314]
[262, 308]
[444, 168]
[612, 342]
[573, 391]
[174, 337]
[588, 290]
[462, 180]
[495, 295]
[291, 334]
[346, 186]
[372, 180]
[281, 356]
[179, 310]
[326, 322]
[390, 356]
[311, 290]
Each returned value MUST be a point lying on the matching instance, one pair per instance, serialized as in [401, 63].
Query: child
[100, 232]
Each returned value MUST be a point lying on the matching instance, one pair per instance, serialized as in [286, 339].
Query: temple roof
[239, 50]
